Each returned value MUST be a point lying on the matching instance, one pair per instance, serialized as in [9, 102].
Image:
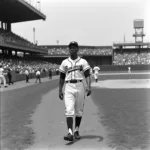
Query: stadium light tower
[57, 42]
[39, 4]
[33, 35]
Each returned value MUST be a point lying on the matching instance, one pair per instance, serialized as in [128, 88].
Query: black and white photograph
[75, 74]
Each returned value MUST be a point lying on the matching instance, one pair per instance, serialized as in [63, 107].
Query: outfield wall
[108, 68]
[123, 76]
[114, 68]
[21, 77]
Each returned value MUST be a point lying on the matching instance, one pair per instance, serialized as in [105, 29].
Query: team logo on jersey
[70, 69]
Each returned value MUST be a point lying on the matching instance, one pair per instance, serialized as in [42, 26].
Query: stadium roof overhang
[66, 56]
[14, 11]
[131, 44]
[22, 48]
[66, 46]
[55, 56]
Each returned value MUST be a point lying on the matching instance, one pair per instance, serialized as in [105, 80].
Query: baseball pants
[38, 77]
[96, 76]
[74, 96]
[2, 78]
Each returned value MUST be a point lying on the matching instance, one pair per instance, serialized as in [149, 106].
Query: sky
[89, 22]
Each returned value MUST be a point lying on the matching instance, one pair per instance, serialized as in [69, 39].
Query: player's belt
[73, 81]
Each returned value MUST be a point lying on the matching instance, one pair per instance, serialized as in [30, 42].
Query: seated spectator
[8, 37]
[131, 58]
[19, 65]
[82, 51]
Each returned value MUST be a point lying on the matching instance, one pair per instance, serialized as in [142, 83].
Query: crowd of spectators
[82, 51]
[131, 58]
[8, 37]
[20, 65]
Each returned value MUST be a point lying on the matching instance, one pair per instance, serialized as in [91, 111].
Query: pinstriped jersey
[74, 69]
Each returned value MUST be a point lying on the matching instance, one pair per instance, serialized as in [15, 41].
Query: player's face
[73, 50]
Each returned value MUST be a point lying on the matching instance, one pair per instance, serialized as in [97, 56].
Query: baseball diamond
[76, 77]
[118, 110]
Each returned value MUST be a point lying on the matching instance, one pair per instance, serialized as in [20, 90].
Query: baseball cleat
[76, 135]
[69, 137]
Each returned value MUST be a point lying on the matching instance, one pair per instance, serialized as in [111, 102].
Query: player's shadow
[99, 138]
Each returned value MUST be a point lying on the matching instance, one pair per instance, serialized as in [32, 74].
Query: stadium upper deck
[62, 50]
[12, 11]
[19, 11]
[131, 44]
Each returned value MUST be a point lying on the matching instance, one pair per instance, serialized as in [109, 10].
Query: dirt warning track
[114, 118]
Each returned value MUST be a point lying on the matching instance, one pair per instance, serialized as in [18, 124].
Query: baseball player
[129, 69]
[38, 76]
[2, 77]
[27, 75]
[91, 72]
[50, 73]
[96, 70]
[72, 72]
[9, 75]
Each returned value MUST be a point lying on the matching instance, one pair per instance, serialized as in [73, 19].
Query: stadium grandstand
[10, 41]
[101, 55]
[120, 55]
[116, 114]
[107, 57]
[133, 53]
[12, 45]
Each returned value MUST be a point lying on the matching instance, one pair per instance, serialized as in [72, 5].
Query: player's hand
[88, 91]
[61, 95]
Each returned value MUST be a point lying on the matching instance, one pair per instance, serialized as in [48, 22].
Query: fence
[119, 68]
[21, 77]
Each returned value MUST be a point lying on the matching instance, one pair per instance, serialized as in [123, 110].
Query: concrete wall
[125, 68]
[107, 68]
[21, 77]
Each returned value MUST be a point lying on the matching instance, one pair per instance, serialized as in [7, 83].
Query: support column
[24, 54]
[31, 54]
[3, 52]
[10, 52]
[15, 53]
[2, 25]
[5, 24]
[9, 26]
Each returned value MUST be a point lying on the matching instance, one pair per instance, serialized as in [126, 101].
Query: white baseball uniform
[129, 69]
[26, 72]
[38, 73]
[2, 77]
[96, 70]
[74, 93]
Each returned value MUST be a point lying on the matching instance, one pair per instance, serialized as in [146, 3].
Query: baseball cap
[73, 43]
